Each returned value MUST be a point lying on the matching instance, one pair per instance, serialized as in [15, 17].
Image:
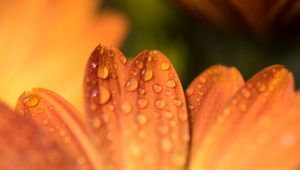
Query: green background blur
[193, 45]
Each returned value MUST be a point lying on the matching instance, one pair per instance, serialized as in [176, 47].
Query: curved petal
[206, 97]
[24, 146]
[60, 121]
[44, 43]
[265, 95]
[137, 110]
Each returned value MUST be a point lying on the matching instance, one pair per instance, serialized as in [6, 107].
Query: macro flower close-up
[76, 95]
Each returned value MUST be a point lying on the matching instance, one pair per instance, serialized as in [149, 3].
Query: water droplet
[166, 145]
[133, 72]
[142, 134]
[142, 91]
[141, 119]
[160, 103]
[31, 100]
[131, 85]
[63, 132]
[191, 107]
[105, 117]
[165, 65]
[178, 160]
[126, 107]
[139, 64]
[171, 83]
[96, 123]
[190, 92]
[102, 72]
[276, 73]
[177, 102]
[243, 107]
[146, 74]
[45, 122]
[40, 110]
[261, 87]
[168, 114]
[110, 107]
[202, 80]
[123, 59]
[157, 88]
[163, 129]
[168, 93]
[142, 103]
[246, 93]
[183, 117]
[51, 107]
[199, 86]
[104, 95]
[135, 150]
[149, 58]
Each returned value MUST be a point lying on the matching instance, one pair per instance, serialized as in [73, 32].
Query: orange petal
[268, 93]
[137, 110]
[24, 146]
[60, 121]
[207, 96]
[50, 41]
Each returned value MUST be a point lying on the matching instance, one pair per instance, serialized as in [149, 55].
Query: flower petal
[267, 94]
[137, 110]
[60, 121]
[24, 146]
[206, 97]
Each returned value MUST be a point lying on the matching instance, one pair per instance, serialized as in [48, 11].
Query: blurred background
[193, 45]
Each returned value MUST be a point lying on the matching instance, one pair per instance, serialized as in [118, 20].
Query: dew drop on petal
[261, 87]
[157, 88]
[168, 114]
[40, 110]
[183, 117]
[131, 84]
[163, 129]
[190, 92]
[96, 123]
[246, 93]
[104, 95]
[142, 103]
[102, 72]
[126, 107]
[177, 102]
[123, 59]
[147, 74]
[165, 65]
[31, 100]
[202, 80]
[190, 107]
[142, 91]
[171, 83]
[139, 64]
[166, 145]
[141, 119]
[160, 103]
[45, 122]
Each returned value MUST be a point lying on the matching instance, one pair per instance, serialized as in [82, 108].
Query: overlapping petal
[251, 130]
[24, 146]
[137, 110]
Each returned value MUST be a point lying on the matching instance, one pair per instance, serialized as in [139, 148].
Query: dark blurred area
[193, 45]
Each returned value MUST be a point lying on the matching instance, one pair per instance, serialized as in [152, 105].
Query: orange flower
[38, 38]
[137, 118]
[261, 16]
